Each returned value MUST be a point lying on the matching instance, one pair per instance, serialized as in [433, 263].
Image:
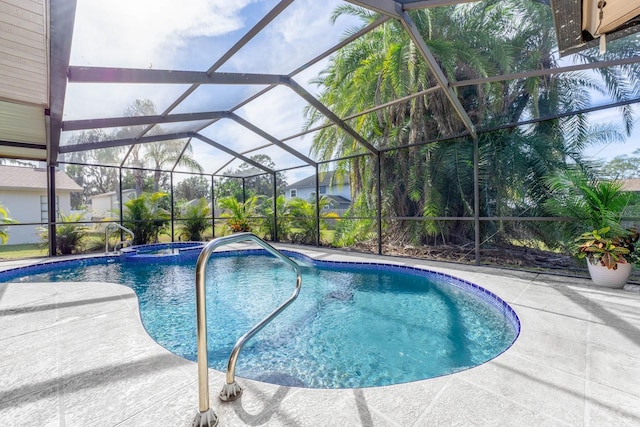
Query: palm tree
[146, 217]
[157, 155]
[240, 215]
[383, 66]
[194, 217]
[302, 219]
[593, 204]
[266, 209]
[69, 234]
[4, 219]
[167, 153]
[469, 41]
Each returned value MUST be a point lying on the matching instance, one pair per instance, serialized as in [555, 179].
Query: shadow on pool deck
[79, 381]
[53, 306]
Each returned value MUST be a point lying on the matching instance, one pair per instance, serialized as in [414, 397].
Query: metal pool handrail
[231, 390]
[106, 234]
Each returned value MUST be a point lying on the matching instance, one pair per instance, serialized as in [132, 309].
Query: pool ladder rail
[231, 390]
[122, 242]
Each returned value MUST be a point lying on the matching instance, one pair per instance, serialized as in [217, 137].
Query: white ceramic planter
[609, 278]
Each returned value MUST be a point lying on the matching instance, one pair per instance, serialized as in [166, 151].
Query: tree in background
[194, 187]
[97, 179]
[256, 181]
[136, 179]
[154, 156]
[135, 156]
[159, 155]
[623, 167]
[228, 186]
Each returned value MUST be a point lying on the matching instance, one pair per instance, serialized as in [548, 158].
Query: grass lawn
[94, 242]
[22, 251]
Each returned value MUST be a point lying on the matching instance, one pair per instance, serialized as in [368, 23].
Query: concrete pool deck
[76, 354]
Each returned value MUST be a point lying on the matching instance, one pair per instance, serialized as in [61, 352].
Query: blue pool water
[353, 325]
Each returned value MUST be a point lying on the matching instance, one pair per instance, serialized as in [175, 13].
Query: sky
[164, 34]
[611, 150]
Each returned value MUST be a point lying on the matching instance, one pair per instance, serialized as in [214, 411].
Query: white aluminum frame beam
[427, 4]
[253, 128]
[233, 153]
[385, 7]
[73, 125]
[152, 76]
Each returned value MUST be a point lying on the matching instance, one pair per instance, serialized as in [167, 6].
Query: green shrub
[69, 234]
[145, 217]
[265, 208]
[195, 220]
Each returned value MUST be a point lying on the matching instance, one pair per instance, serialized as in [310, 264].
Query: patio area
[77, 354]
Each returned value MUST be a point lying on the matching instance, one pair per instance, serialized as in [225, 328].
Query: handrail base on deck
[207, 418]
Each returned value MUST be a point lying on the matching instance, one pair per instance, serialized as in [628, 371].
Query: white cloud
[297, 35]
[140, 33]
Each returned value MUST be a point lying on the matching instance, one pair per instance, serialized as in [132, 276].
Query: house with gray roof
[337, 191]
[23, 192]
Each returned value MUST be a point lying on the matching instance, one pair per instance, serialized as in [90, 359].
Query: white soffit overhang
[579, 23]
[24, 78]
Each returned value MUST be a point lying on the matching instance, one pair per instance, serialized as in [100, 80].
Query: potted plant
[609, 258]
[594, 210]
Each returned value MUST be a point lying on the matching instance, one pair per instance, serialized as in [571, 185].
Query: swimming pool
[353, 325]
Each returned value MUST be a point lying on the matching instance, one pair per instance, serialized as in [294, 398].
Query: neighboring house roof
[326, 178]
[107, 194]
[338, 199]
[338, 202]
[22, 178]
[631, 184]
[112, 193]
